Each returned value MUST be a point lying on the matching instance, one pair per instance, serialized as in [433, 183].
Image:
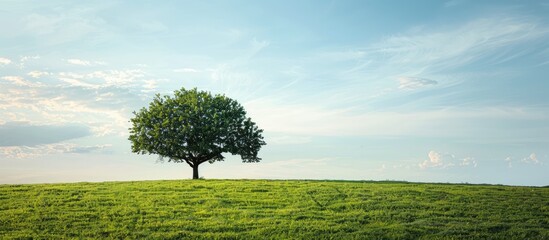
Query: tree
[195, 127]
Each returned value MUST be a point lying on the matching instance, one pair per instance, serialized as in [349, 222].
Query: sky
[424, 91]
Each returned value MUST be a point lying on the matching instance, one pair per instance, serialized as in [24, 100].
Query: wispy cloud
[102, 79]
[117, 77]
[78, 83]
[412, 83]
[101, 100]
[21, 152]
[474, 41]
[433, 58]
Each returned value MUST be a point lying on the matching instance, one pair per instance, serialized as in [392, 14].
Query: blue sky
[431, 91]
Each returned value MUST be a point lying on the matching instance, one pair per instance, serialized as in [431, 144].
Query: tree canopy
[195, 127]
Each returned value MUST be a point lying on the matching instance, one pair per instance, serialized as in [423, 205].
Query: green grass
[266, 209]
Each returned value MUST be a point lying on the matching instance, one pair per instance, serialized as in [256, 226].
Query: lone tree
[195, 127]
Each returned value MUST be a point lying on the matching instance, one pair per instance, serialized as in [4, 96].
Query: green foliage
[262, 209]
[195, 127]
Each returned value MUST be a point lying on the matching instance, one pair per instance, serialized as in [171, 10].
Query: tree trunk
[195, 172]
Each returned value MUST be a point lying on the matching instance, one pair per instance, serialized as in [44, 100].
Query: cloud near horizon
[446, 160]
[530, 159]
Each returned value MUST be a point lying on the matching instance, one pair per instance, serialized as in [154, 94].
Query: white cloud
[468, 161]
[446, 160]
[103, 130]
[102, 79]
[531, 159]
[104, 119]
[102, 100]
[78, 83]
[149, 86]
[117, 77]
[38, 74]
[412, 83]
[435, 160]
[21, 151]
[79, 62]
[4, 61]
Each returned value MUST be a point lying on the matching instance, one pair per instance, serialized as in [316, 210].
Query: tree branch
[208, 157]
[189, 162]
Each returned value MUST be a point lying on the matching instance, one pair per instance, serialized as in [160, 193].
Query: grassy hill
[259, 209]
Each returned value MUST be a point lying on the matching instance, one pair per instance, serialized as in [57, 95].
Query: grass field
[264, 209]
